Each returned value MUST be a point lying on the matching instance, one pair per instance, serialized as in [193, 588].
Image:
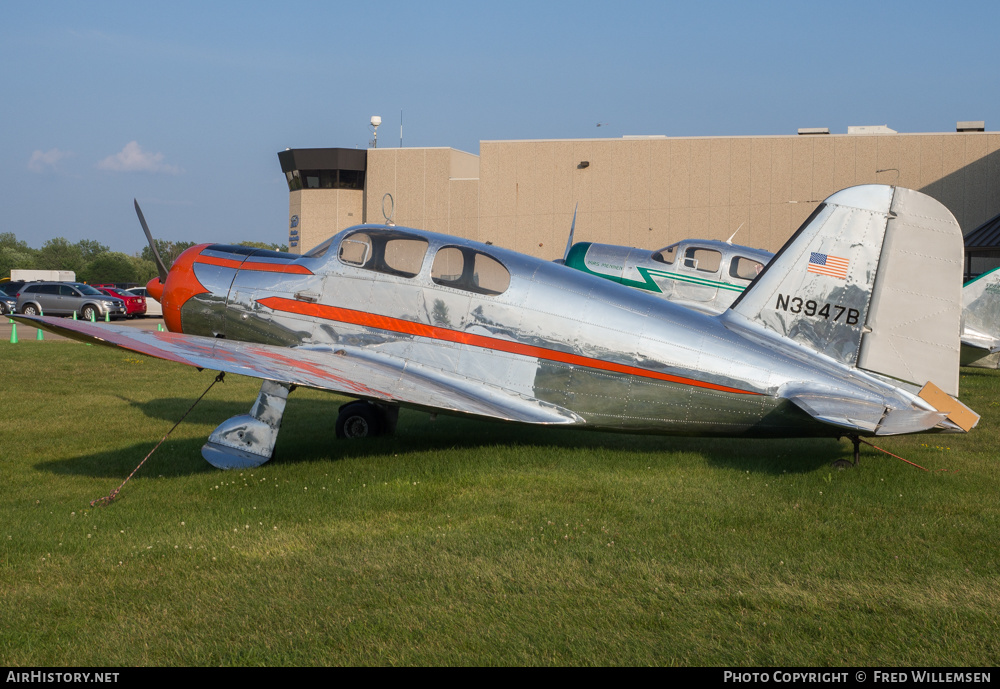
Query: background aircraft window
[705, 260]
[404, 256]
[666, 255]
[356, 249]
[489, 276]
[448, 266]
[745, 268]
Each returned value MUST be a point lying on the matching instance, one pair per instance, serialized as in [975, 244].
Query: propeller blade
[160, 268]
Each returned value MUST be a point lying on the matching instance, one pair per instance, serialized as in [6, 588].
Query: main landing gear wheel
[843, 463]
[366, 420]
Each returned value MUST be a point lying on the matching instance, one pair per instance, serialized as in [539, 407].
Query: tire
[88, 311]
[29, 310]
[359, 420]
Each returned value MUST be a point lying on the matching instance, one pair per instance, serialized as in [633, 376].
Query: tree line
[92, 261]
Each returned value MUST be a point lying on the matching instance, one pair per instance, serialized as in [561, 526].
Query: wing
[348, 370]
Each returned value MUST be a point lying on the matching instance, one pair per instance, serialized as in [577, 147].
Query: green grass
[465, 542]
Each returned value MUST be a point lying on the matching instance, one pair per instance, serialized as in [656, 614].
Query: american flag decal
[825, 264]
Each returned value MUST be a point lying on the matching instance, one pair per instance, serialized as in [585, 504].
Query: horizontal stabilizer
[867, 417]
[852, 414]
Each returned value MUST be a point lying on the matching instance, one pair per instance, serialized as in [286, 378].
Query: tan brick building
[640, 191]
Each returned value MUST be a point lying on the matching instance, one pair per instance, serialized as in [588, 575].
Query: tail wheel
[360, 420]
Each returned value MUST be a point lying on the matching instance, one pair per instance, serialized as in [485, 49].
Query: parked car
[135, 305]
[153, 307]
[8, 295]
[67, 298]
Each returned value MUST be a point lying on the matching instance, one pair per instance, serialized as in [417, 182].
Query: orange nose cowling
[182, 284]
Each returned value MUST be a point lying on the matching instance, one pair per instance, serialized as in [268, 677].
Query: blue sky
[185, 105]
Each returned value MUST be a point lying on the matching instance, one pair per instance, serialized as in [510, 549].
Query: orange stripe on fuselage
[398, 325]
[292, 268]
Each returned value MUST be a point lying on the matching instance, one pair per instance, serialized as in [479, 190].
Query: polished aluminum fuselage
[592, 352]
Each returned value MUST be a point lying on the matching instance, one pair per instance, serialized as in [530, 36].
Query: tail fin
[981, 321]
[872, 280]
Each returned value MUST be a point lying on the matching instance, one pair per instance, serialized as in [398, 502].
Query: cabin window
[405, 256]
[743, 268]
[666, 255]
[704, 260]
[469, 270]
[448, 265]
[489, 276]
[356, 249]
[393, 253]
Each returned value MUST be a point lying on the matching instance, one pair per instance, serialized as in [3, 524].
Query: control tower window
[325, 179]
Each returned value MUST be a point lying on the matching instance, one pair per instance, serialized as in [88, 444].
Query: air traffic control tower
[327, 186]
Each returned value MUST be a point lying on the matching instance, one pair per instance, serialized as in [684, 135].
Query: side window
[743, 268]
[469, 270]
[449, 263]
[666, 255]
[704, 260]
[405, 256]
[67, 291]
[47, 289]
[356, 249]
[392, 253]
[489, 275]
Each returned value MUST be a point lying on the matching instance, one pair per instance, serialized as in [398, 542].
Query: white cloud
[133, 159]
[42, 160]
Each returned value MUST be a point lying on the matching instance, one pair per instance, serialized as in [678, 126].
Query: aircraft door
[699, 274]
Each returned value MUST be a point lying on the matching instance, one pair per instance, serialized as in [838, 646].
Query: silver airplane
[709, 275]
[398, 317]
[703, 274]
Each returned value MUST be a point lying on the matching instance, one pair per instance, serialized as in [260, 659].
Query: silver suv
[66, 298]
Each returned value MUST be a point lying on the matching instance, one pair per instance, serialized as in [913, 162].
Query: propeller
[160, 268]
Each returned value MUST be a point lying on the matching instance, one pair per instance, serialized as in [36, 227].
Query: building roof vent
[871, 129]
[803, 131]
[971, 126]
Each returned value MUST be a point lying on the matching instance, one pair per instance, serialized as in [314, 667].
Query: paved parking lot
[27, 333]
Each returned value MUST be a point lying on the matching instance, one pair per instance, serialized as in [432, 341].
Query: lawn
[460, 542]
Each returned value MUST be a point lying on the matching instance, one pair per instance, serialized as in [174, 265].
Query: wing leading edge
[343, 369]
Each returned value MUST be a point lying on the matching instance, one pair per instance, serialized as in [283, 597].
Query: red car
[134, 305]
